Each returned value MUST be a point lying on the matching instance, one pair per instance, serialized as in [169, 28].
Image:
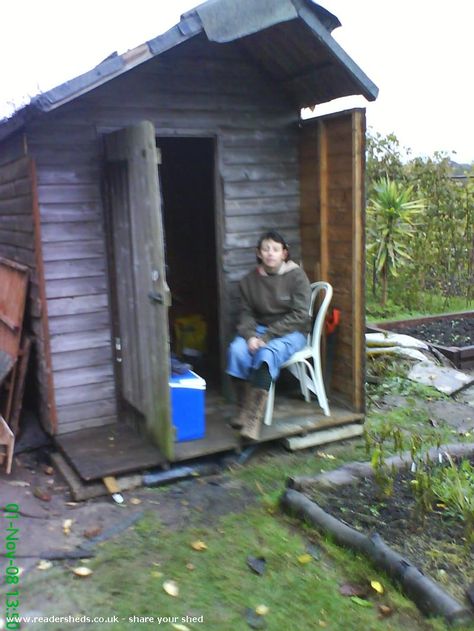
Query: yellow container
[190, 333]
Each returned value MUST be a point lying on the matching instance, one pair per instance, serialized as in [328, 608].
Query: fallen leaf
[352, 589]
[18, 483]
[48, 469]
[323, 454]
[135, 501]
[41, 495]
[67, 523]
[90, 533]
[262, 610]
[257, 564]
[322, 623]
[180, 627]
[190, 566]
[44, 565]
[157, 574]
[199, 546]
[82, 571]
[378, 587]
[304, 558]
[361, 602]
[385, 610]
[171, 588]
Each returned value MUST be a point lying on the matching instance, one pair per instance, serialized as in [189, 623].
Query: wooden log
[429, 597]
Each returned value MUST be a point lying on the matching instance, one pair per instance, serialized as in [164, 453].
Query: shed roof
[290, 39]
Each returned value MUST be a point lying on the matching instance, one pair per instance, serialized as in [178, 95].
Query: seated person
[274, 323]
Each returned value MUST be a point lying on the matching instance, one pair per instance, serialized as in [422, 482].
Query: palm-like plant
[392, 212]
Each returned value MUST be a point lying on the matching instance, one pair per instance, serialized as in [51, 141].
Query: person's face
[272, 254]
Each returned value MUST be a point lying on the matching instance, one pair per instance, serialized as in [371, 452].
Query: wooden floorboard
[117, 449]
[110, 450]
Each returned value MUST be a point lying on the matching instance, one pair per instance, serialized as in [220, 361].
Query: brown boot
[244, 395]
[254, 415]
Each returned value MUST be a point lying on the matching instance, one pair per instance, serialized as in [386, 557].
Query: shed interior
[188, 210]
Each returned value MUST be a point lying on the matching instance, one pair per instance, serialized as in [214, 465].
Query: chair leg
[270, 405]
[320, 390]
[304, 382]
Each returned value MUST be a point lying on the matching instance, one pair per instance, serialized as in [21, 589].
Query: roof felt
[291, 39]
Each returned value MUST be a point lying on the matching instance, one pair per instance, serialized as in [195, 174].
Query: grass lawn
[216, 586]
[433, 304]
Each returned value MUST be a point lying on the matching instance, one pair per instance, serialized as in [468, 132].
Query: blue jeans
[240, 361]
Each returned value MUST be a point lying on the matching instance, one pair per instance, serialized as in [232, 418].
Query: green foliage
[454, 487]
[391, 224]
[438, 256]
[400, 307]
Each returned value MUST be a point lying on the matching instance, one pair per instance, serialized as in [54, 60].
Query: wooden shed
[136, 192]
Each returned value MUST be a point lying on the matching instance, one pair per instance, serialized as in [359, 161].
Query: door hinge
[118, 349]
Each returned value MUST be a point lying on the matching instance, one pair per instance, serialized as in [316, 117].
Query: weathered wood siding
[332, 220]
[196, 89]
[20, 241]
[69, 193]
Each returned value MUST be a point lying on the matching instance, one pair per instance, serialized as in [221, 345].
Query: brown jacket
[279, 301]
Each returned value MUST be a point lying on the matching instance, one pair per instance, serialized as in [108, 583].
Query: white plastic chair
[305, 364]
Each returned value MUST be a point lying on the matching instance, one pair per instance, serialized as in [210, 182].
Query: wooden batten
[20, 240]
[47, 401]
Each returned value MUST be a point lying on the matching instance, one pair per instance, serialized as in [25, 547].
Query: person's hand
[254, 343]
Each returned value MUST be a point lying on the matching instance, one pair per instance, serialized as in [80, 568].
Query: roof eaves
[227, 20]
[115, 66]
[367, 87]
[110, 68]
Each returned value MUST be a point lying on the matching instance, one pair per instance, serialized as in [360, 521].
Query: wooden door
[332, 172]
[141, 292]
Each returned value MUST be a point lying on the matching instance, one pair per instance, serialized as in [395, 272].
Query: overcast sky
[418, 52]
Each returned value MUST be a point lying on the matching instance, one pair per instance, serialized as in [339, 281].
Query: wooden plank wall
[196, 89]
[18, 242]
[69, 192]
[332, 155]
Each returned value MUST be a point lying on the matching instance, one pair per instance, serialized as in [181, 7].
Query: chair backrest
[314, 339]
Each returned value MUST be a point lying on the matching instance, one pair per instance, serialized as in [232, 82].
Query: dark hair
[273, 235]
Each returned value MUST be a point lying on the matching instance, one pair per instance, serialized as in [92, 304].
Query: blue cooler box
[187, 405]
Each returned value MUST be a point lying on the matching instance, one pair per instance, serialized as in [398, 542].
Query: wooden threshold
[118, 449]
[114, 449]
[291, 417]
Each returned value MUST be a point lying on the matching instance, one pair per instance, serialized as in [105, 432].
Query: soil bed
[456, 332]
[434, 543]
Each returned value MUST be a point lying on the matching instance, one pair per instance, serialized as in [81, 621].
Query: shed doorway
[187, 178]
